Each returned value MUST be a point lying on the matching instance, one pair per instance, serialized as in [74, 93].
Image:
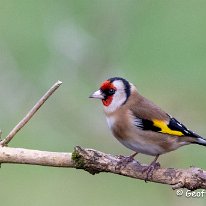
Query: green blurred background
[160, 46]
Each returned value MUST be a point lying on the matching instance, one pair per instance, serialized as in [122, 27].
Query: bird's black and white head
[113, 92]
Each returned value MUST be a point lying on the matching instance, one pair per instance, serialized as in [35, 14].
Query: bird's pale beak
[97, 95]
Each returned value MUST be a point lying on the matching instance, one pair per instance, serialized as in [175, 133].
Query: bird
[141, 125]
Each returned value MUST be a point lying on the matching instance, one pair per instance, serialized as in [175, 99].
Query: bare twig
[95, 162]
[35, 157]
[30, 114]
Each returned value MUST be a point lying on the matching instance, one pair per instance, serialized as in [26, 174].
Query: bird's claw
[150, 169]
[124, 161]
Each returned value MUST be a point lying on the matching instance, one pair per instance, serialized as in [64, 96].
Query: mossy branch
[94, 162]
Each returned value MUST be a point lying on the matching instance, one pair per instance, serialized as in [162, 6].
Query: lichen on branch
[95, 162]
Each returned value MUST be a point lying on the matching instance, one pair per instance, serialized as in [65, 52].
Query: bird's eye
[111, 91]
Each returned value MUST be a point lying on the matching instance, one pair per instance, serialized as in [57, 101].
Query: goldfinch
[139, 124]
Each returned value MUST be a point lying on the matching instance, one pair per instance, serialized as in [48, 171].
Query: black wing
[176, 125]
[173, 128]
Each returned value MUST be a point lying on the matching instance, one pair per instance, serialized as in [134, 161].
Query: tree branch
[95, 162]
[35, 157]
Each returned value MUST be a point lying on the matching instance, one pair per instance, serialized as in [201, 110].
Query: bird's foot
[150, 168]
[124, 161]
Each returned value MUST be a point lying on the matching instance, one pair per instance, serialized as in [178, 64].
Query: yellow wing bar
[165, 129]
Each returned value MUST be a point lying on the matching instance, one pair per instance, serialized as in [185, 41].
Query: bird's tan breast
[120, 123]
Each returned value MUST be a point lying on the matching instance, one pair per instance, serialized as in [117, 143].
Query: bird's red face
[108, 89]
[105, 93]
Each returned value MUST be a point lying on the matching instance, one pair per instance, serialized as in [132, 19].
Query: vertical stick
[30, 113]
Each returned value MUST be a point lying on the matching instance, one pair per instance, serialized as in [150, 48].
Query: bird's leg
[150, 168]
[125, 160]
[129, 158]
[133, 155]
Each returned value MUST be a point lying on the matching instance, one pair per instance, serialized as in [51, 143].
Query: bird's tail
[196, 139]
[200, 141]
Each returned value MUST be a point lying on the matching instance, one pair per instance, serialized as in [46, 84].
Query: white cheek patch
[117, 101]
